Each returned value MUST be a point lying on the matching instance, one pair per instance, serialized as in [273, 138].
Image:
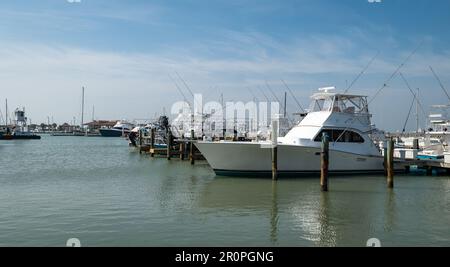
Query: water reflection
[287, 212]
[327, 232]
[274, 214]
[390, 211]
[303, 211]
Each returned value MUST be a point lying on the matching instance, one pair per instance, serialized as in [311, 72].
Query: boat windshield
[321, 104]
[339, 103]
[350, 104]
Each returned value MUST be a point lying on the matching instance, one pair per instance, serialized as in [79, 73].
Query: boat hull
[254, 159]
[20, 137]
[112, 133]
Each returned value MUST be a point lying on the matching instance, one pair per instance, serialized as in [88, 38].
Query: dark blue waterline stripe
[234, 173]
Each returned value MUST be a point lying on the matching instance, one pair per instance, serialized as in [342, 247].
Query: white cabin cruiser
[346, 120]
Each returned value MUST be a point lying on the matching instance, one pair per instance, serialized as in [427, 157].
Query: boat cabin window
[340, 136]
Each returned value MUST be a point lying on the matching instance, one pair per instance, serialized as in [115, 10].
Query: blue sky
[124, 52]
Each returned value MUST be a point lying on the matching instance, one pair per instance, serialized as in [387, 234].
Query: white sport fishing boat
[346, 120]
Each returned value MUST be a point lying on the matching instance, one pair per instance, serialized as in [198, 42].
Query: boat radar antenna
[327, 89]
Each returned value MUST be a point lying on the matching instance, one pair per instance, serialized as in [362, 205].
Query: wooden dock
[423, 164]
[183, 148]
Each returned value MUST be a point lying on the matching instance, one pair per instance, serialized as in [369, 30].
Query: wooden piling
[169, 144]
[152, 142]
[324, 163]
[274, 150]
[408, 169]
[390, 163]
[416, 143]
[429, 170]
[182, 151]
[191, 150]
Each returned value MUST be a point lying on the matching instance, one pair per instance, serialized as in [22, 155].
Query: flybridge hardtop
[345, 118]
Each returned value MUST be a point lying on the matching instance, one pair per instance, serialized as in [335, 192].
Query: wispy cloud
[58, 71]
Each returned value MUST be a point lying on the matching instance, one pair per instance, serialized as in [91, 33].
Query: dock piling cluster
[181, 148]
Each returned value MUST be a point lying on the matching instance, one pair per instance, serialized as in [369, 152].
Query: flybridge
[335, 102]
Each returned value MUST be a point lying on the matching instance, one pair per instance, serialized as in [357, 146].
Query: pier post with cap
[274, 150]
[390, 163]
[182, 150]
[324, 163]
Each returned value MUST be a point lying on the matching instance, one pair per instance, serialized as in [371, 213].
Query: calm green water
[105, 194]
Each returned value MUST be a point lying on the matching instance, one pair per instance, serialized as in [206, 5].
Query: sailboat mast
[417, 109]
[82, 107]
[6, 111]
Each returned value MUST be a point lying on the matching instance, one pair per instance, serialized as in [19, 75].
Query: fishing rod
[251, 92]
[388, 80]
[185, 84]
[414, 94]
[293, 96]
[179, 90]
[283, 107]
[409, 114]
[262, 91]
[271, 91]
[440, 83]
[362, 72]
[395, 73]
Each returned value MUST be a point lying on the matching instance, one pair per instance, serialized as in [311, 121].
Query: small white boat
[346, 120]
